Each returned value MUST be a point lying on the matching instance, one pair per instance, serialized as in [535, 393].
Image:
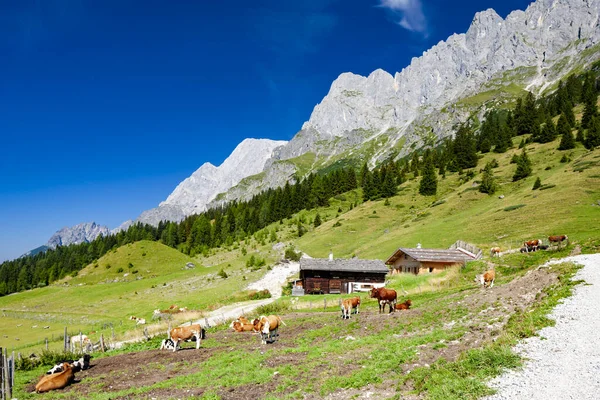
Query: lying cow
[242, 326]
[82, 364]
[188, 333]
[268, 327]
[486, 279]
[403, 306]
[58, 380]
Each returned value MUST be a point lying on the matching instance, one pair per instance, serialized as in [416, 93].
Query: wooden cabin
[325, 276]
[430, 261]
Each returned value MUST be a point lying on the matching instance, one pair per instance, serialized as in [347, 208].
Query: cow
[495, 251]
[532, 245]
[242, 326]
[403, 306]
[167, 344]
[187, 333]
[82, 364]
[268, 327]
[348, 305]
[558, 239]
[486, 279]
[384, 296]
[56, 381]
[141, 321]
[81, 342]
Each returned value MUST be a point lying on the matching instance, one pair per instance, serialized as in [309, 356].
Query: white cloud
[409, 12]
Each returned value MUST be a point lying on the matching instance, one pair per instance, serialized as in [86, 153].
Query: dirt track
[149, 367]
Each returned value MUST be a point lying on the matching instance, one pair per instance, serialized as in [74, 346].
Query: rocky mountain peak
[85, 232]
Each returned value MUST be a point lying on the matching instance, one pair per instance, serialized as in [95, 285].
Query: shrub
[108, 266]
[291, 254]
[537, 184]
[119, 270]
[130, 265]
[222, 273]
[135, 271]
[565, 159]
[258, 295]
[337, 223]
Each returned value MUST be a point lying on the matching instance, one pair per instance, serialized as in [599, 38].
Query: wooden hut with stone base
[430, 261]
[340, 275]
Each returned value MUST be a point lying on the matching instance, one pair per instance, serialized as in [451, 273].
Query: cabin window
[430, 269]
[317, 276]
[367, 279]
[336, 277]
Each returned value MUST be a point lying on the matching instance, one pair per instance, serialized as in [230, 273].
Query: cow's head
[167, 344]
[479, 279]
[374, 292]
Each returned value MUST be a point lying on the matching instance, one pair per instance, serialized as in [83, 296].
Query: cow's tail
[280, 320]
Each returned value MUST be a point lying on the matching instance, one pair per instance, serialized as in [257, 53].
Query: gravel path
[563, 362]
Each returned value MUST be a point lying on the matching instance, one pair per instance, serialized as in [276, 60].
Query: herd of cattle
[63, 374]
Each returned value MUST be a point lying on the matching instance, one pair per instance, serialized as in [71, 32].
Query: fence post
[46, 344]
[2, 374]
[102, 341]
[112, 330]
[7, 388]
[12, 373]
[206, 322]
[81, 341]
[65, 340]
[324, 304]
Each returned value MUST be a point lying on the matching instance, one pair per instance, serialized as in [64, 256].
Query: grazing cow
[486, 279]
[80, 342]
[495, 251]
[532, 245]
[167, 344]
[187, 333]
[141, 321]
[404, 306]
[268, 327]
[56, 381]
[348, 305]
[384, 296]
[558, 239]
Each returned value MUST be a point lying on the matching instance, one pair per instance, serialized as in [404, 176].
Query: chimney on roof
[418, 245]
[331, 256]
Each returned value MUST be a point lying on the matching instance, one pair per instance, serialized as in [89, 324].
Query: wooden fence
[7, 374]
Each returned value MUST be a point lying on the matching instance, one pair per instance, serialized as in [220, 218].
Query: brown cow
[558, 239]
[404, 306]
[384, 296]
[532, 244]
[348, 305]
[486, 279]
[58, 380]
[495, 251]
[242, 326]
[268, 326]
[187, 333]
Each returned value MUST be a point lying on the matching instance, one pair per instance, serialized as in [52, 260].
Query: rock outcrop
[80, 233]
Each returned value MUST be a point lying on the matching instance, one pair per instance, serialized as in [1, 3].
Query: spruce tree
[563, 129]
[523, 167]
[580, 134]
[465, 150]
[428, 184]
[537, 183]
[488, 182]
[318, 221]
[548, 132]
[592, 136]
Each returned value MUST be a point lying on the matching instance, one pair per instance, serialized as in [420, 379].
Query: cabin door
[345, 287]
[335, 286]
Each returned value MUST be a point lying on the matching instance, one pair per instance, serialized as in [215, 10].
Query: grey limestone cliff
[80, 233]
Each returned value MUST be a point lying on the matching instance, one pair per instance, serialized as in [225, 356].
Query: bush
[222, 273]
[291, 254]
[337, 223]
[565, 159]
[130, 265]
[278, 307]
[537, 184]
[108, 266]
[258, 295]
[119, 270]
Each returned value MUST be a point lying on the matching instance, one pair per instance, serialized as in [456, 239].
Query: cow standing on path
[348, 305]
[385, 296]
[185, 334]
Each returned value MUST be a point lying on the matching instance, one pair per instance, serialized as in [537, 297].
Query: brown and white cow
[532, 245]
[80, 342]
[239, 326]
[495, 251]
[185, 334]
[384, 296]
[486, 279]
[558, 239]
[268, 327]
[348, 305]
[56, 381]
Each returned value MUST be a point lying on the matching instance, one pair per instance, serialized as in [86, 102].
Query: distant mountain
[35, 251]
[193, 194]
[81, 233]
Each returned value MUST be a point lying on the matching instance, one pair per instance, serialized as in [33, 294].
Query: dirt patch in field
[489, 311]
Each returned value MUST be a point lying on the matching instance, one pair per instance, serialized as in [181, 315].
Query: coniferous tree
[523, 167]
[428, 184]
[592, 136]
[590, 99]
[548, 132]
[317, 222]
[563, 129]
[488, 182]
[537, 183]
[389, 188]
[465, 149]
[368, 190]
[580, 134]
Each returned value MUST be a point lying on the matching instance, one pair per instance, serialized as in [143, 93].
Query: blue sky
[105, 106]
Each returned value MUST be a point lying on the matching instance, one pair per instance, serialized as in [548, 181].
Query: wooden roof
[433, 255]
[343, 264]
